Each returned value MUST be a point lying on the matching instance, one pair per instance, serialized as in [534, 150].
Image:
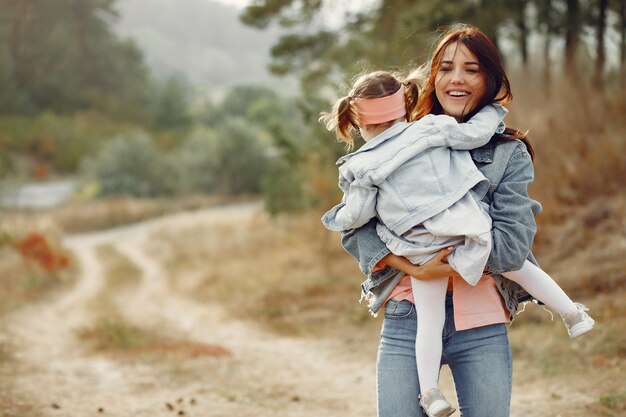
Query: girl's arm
[357, 207]
[513, 214]
[475, 133]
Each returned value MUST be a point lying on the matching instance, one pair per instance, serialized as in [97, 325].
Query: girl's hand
[434, 269]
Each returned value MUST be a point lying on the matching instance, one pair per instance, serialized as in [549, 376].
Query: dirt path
[262, 374]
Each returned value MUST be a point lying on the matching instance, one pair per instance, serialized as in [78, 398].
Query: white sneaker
[578, 322]
[434, 404]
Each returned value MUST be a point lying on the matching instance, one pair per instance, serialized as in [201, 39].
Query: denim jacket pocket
[399, 309]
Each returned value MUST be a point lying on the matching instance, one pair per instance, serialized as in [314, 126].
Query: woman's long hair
[498, 88]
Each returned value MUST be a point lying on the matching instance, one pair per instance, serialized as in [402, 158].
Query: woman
[466, 74]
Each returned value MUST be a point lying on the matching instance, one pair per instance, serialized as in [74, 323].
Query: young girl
[420, 182]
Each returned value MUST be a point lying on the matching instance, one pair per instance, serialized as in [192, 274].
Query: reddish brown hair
[498, 88]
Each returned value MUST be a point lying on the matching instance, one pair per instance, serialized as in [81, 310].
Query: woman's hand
[436, 268]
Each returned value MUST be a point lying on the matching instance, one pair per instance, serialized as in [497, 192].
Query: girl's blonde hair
[343, 118]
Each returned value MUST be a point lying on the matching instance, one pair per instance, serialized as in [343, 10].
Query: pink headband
[373, 111]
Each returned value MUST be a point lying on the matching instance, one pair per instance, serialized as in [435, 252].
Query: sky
[240, 4]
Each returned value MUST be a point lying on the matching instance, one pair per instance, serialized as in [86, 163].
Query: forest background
[144, 124]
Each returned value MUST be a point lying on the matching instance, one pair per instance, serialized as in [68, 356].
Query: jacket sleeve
[513, 214]
[365, 246]
[357, 207]
[476, 132]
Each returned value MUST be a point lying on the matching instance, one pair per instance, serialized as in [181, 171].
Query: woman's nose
[457, 77]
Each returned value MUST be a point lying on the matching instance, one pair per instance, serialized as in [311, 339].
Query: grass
[120, 271]
[22, 282]
[614, 402]
[10, 406]
[5, 352]
[289, 273]
[92, 215]
[116, 335]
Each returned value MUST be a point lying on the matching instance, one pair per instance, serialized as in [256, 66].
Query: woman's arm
[513, 214]
[368, 249]
[436, 268]
[472, 134]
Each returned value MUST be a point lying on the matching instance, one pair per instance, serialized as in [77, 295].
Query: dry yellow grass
[288, 273]
[121, 272]
[85, 216]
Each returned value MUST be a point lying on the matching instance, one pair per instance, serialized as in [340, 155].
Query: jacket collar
[394, 130]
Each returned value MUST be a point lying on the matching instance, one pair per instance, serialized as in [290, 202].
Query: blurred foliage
[283, 189]
[391, 33]
[69, 86]
[228, 159]
[62, 56]
[399, 34]
[36, 247]
[133, 166]
[60, 141]
[68, 83]
[241, 160]
[171, 110]
[283, 133]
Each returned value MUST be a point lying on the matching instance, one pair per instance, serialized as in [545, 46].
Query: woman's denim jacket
[509, 169]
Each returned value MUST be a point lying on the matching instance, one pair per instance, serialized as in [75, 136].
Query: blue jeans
[479, 358]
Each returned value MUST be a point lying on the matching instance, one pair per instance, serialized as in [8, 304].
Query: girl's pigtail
[411, 94]
[412, 85]
[341, 119]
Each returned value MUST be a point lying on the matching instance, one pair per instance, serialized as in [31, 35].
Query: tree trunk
[600, 49]
[622, 57]
[547, 70]
[572, 27]
[522, 27]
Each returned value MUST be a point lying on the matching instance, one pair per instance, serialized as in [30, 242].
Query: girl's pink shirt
[476, 306]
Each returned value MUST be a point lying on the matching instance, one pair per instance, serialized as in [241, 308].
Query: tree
[572, 32]
[600, 48]
[548, 25]
[620, 8]
[522, 27]
[62, 56]
[172, 105]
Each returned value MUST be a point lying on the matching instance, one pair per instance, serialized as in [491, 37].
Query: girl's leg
[542, 287]
[430, 299]
[481, 365]
[397, 384]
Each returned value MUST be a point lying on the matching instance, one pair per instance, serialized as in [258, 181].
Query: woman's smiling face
[459, 83]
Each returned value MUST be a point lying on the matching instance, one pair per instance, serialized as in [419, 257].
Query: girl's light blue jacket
[380, 179]
[508, 167]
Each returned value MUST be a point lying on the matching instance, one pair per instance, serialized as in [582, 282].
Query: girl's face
[459, 82]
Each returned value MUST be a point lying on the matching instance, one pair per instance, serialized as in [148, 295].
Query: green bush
[283, 189]
[229, 160]
[61, 141]
[197, 161]
[133, 166]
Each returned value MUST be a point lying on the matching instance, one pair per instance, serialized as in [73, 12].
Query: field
[210, 308]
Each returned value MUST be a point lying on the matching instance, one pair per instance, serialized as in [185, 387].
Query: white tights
[430, 297]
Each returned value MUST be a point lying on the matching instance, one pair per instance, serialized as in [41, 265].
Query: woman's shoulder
[509, 145]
